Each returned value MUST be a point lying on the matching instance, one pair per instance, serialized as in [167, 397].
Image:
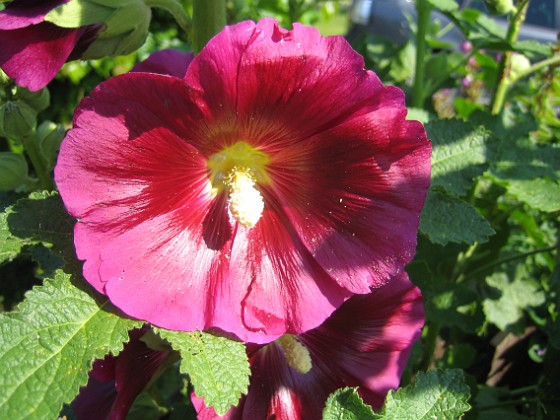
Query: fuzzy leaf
[461, 152]
[438, 394]
[39, 219]
[346, 404]
[449, 219]
[530, 173]
[10, 247]
[514, 296]
[218, 367]
[48, 346]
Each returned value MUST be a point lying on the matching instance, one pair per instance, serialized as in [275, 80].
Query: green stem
[45, 180]
[505, 63]
[536, 67]
[175, 8]
[507, 403]
[423, 8]
[485, 267]
[524, 390]
[429, 345]
[209, 17]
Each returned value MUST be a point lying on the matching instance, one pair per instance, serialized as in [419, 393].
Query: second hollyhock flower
[256, 194]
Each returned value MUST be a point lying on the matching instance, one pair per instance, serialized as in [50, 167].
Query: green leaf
[438, 394]
[346, 404]
[461, 152]
[530, 173]
[10, 246]
[48, 345]
[218, 367]
[533, 50]
[449, 219]
[39, 219]
[505, 308]
[447, 302]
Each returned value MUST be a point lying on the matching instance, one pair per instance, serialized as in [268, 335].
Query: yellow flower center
[238, 169]
[297, 355]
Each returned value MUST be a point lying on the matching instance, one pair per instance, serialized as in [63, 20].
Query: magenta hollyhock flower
[32, 51]
[365, 343]
[115, 381]
[254, 195]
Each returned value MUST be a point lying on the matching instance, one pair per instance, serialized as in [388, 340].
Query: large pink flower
[365, 343]
[32, 51]
[256, 194]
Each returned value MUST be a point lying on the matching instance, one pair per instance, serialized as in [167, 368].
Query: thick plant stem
[209, 17]
[423, 8]
[45, 180]
[430, 342]
[175, 8]
[505, 63]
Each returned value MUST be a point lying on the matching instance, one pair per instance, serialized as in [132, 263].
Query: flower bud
[124, 23]
[519, 63]
[47, 139]
[39, 100]
[17, 119]
[13, 171]
[499, 7]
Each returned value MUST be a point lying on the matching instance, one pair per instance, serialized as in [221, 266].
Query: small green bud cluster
[500, 7]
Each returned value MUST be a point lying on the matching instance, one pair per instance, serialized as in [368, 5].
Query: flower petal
[170, 62]
[35, 54]
[21, 13]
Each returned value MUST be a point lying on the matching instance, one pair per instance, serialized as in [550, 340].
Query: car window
[540, 13]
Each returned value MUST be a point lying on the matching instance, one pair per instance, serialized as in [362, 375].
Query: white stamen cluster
[245, 201]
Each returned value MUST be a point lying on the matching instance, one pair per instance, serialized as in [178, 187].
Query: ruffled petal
[348, 172]
[365, 343]
[23, 13]
[170, 62]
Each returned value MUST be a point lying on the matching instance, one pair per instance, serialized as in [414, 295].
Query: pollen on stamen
[297, 355]
[245, 201]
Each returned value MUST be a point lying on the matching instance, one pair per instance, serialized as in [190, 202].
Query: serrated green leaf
[438, 394]
[533, 50]
[346, 404]
[461, 152]
[530, 173]
[10, 246]
[39, 219]
[218, 367]
[449, 219]
[48, 346]
[514, 295]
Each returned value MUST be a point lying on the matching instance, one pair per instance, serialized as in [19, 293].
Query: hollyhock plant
[115, 381]
[32, 51]
[256, 194]
[365, 343]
